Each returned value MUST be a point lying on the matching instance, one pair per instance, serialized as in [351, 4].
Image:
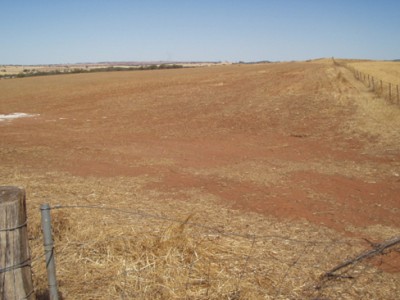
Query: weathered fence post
[15, 260]
[49, 251]
[390, 92]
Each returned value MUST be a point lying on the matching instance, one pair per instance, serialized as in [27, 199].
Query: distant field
[12, 70]
[227, 182]
[384, 70]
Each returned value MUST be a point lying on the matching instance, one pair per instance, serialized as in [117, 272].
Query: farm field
[8, 71]
[236, 182]
[384, 70]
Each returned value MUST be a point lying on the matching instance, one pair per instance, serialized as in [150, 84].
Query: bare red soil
[278, 139]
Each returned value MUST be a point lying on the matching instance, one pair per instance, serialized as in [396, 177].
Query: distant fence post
[390, 92]
[49, 251]
[15, 260]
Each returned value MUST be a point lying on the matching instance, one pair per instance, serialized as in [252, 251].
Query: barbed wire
[198, 225]
[15, 228]
[288, 264]
[253, 238]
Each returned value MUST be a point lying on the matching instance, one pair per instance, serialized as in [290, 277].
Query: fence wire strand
[134, 275]
[248, 236]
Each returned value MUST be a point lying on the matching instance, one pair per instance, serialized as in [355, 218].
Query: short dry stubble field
[298, 160]
[388, 71]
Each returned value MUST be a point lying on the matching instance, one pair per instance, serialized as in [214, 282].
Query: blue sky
[48, 32]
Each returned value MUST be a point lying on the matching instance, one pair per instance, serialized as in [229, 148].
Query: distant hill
[255, 62]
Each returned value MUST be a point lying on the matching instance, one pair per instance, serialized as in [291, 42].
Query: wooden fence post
[15, 260]
[390, 92]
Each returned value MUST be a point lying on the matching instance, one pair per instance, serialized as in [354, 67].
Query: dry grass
[380, 122]
[274, 172]
[383, 78]
[383, 70]
[208, 252]
[10, 70]
[374, 119]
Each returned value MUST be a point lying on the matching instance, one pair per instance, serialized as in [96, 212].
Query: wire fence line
[202, 226]
[243, 261]
[386, 90]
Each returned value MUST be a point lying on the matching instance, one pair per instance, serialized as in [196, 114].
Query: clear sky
[71, 31]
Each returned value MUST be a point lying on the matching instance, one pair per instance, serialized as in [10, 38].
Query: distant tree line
[33, 72]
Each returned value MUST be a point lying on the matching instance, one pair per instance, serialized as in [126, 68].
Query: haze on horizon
[50, 32]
